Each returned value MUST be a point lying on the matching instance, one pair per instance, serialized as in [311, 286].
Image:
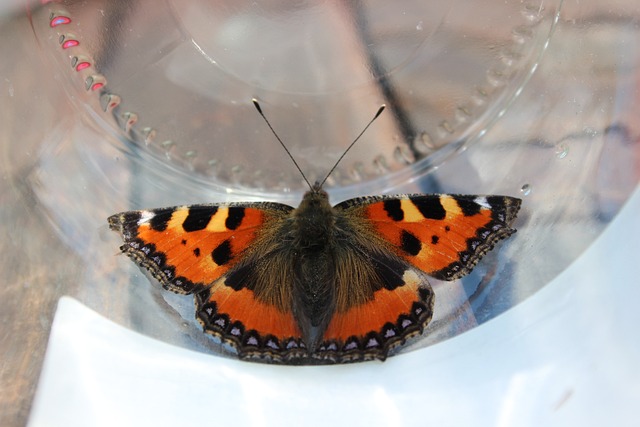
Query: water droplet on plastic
[168, 145]
[480, 97]
[462, 114]
[562, 151]
[420, 26]
[149, 135]
[190, 157]
[496, 78]
[445, 129]
[380, 164]
[212, 167]
[533, 13]
[128, 119]
[357, 171]
[109, 101]
[526, 189]
[590, 132]
[522, 34]
[423, 143]
[403, 155]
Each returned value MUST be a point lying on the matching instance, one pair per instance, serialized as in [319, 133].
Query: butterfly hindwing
[380, 299]
[250, 307]
[442, 235]
[369, 329]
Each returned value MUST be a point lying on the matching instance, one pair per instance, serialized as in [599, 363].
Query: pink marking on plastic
[97, 86]
[82, 65]
[59, 20]
[70, 43]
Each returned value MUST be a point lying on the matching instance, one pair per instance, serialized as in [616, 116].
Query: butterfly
[316, 283]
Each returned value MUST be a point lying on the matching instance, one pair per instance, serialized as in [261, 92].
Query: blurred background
[118, 105]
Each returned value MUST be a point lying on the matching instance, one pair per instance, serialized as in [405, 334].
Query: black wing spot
[426, 294]
[410, 243]
[125, 223]
[222, 254]
[160, 219]
[234, 217]
[434, 239]
[389, 271]
[183, 241]
[430, 207]
[447, 228]
[196, 252]
[198, 218]
[130, 217]
[240, 277]
[394, 210]
[467, 205]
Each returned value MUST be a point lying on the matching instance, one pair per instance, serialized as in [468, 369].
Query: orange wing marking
[386, 307]
[190, 253]
[242, 306]
[441, 240]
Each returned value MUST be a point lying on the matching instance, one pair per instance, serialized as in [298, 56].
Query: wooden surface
[28, 289]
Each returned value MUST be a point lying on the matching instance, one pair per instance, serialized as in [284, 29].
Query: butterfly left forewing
[186, 248]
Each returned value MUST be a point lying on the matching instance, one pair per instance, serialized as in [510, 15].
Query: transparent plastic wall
[113, 106]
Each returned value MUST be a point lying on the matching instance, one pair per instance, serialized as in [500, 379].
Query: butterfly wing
[232, 257]
[237, 260]
[378, 309]
[442, 235]
[186, 248]
[388, 246]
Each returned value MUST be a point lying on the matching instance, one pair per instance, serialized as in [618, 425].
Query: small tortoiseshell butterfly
[316, 284]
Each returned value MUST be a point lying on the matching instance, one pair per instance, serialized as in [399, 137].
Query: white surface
[566, 356]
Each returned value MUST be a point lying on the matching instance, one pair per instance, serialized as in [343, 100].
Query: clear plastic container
[118, 106]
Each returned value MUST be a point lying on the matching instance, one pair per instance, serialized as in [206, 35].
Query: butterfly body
[320, 283]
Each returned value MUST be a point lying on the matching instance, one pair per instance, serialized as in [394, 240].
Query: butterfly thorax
[314, 220]
[313, 246]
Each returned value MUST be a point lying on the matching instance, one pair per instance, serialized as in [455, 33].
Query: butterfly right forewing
[443, 235]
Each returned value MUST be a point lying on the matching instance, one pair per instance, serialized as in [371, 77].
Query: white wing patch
[482, 201]
[145, 217]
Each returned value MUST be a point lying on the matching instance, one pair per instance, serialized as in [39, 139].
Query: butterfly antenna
[257, 105]
[380, 110]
